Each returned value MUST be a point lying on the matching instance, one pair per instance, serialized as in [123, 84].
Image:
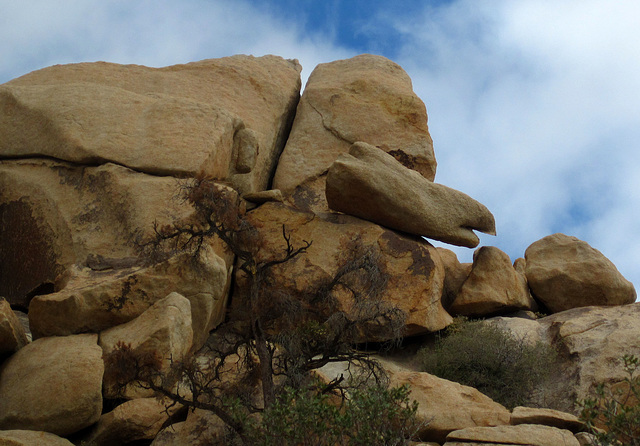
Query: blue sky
[534, 105]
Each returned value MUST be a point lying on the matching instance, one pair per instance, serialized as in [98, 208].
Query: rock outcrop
[365, 98]
[53, 385]
[222, 117]
[564, 272]
[523, 434]
[12, 334]
[371, 184]
[493, 286]
[31, 438]
[415, 272]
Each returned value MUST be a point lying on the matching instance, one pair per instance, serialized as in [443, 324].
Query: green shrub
[617, 409]
[497, 363]
[373, 415]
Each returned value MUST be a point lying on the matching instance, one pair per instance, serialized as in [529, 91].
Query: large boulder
[226, 117]
[564, 272]
[12, 334]
[456, 274]
[365, 98]
[56, 215]
[94, 299]
[53, 385]
[163, 332]
[493, 286]
[523, 434]
[139, 419]
[373, 185]
[415, 272]
[30, 438]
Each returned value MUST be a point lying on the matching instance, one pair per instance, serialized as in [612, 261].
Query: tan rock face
[592, 341]
[53, 385]
[31, 438]
[564, 272]
[415, 271]
[227, 117]
[445, 406]
[200, 428]
[93, 300]
[547, 417]
[365, 98]
[493, 286]
[163, 332]
[372, 185]
[139, 419]
[455, 275]
[56, 215]
[12, 334]
[524, 434]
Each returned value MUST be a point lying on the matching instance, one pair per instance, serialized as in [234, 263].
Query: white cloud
[534, 111]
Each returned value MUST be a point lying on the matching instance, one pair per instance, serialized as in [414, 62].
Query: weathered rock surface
[365, 98]
[139, 419]
[415, 272]
[12, 335]
[371, 184]
[547, 417]
[163, 331]
[493, 286]
[564, 272]
[523, 434]
[455, 275]
[226, 117]
[31, 438]
[53, 385]
[93, 300]
[200, 428]
[56, 215]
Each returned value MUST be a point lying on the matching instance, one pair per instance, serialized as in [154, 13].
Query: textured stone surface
[12, 335]
[371, 184]
[564, 272]
[93, 300]
[455, 275]
[547, 417]
[163, 331]
[365, 98]
[31, 438]
[220, 116]
[524, 434]
[493, 286]
[415, 272]
[53, 385]
[200, 428]
[139, 419]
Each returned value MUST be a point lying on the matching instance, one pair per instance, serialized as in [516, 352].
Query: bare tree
[271, 339]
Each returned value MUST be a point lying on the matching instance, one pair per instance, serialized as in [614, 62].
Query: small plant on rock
[497, 363]
[613, 413]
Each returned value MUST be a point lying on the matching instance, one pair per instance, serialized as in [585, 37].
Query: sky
[534, 105]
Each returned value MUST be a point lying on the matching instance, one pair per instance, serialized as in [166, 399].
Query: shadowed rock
[370, 184]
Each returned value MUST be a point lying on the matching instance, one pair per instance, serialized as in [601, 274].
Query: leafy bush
[617, 409]
[374, 415]
[497, 363]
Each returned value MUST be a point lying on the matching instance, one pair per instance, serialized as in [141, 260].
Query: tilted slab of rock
[92, 300]
[493, 286]
[365, 98]
[53, 385]
[523, 434]
[564, 272]
[163, 332]
[370, 184]
[227, 117]
[12, 334]
[415, 271]
[547, 417]
[138, 419]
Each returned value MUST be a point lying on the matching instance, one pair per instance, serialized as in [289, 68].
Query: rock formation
[372, 185]
[93, 159]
